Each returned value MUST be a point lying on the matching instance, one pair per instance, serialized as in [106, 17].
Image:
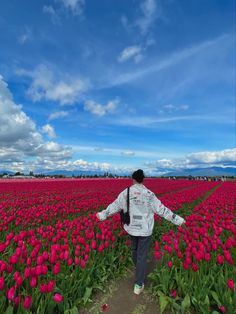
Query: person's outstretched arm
[115, 207]
[166, 213]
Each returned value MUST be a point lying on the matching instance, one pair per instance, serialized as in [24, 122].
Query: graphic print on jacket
[141, 211]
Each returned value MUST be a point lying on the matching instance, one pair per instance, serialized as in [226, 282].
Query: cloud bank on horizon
[147, 85]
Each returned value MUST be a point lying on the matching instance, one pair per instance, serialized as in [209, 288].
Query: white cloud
[145, 21]
[147, 14]
[169, 61]
[58, 87]
[101, 110]
[153, 121]
[81, 164]
[15, 125]
[53, 151]
[57, 115]
[74, 6]
[49, 130]
[62, 7]
[131, 52]
[19, 138]
[22, 147]
[48, 9]
[224, 156]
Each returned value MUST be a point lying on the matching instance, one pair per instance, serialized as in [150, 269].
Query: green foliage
[203, 291]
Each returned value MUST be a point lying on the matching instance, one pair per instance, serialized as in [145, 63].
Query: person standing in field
[143, 205]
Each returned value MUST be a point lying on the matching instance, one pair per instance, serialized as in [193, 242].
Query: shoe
[138, 289]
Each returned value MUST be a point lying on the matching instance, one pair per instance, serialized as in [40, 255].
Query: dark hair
[138, 175]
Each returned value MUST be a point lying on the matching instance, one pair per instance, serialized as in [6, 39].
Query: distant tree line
[110, 175]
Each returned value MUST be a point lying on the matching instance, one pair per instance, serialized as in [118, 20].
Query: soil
[120, 297]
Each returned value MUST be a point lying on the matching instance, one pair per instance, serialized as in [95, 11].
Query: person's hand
[98, 217]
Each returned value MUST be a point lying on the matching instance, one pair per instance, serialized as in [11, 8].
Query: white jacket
[143, 205]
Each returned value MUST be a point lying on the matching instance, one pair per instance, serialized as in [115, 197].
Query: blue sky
[116, 85]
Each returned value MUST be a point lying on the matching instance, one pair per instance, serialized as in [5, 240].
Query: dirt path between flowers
[120, 298]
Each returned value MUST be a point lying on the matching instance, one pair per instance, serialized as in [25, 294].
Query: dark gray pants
[140, 247]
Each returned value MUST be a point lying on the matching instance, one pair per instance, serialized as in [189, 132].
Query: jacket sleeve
[166, 213]
[115, 207]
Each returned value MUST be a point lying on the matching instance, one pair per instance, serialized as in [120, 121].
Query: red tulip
[82, 263]
[11, 293]
[173, 293]
[157, 255]
[27, 272]
[230, 284]
[33, 282]
[27, 302]
[93, 244]
[19, 281]
[43, 288]
[16, 300]
[194, 267]
[57, 297]
[40, 260]
[220, 259]
[222, 309]
[51, 286]
[105, 307]
[207, 257]
[100, 248]
[170, 264]
[2, 281]
[56, 268]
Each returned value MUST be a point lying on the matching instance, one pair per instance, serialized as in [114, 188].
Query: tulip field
[55, 254]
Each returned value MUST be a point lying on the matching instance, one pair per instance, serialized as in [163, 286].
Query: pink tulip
[194, 267]
[220, 259]
[27, 302]
[157, 255]
[51, 286]
[33, 282]
[93, 244]
[16, 301]
[27, 272]
[230, 284]
[43, 288]
[56, 268]
[57, 297]
[222, 309]
[11, 293]
[173, 293]
[19, 281]
[2, 282]
[82, 263]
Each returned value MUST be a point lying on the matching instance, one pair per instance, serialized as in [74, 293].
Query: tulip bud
[57, 298]
[27, 302]
[33, 282]
[2, 281]
[230, 284]
[51, 285]
[11, 293]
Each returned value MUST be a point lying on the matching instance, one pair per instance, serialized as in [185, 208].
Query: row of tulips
[196, 268]
[30, 203]
[50, 241]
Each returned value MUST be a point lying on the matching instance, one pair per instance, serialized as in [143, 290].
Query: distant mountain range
[210, 171]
